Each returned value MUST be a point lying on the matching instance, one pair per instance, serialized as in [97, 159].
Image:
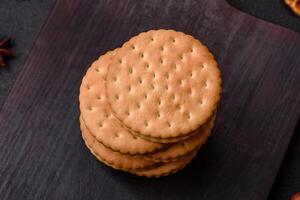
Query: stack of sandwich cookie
[148, 107]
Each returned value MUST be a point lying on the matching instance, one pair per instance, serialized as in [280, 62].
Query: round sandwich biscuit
[163, 84]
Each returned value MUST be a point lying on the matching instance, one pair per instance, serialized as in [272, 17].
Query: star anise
[4, 51]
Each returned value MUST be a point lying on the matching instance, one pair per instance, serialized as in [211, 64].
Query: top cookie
[163, 84]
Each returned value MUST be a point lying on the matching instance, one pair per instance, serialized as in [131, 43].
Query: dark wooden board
[43, 157]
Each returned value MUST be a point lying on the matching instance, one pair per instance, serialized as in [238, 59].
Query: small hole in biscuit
[90, 108]
[158, 114]
[100, 124]
[140, 81]
[142, 55]
[146, 123]
[129, 88]
[200, 101]
[132, 47]
[173, 40]
[130, 70]
[161, 61]
[153, 75]
[178, 107]
[127, 113]
[117, 96]
[167, 87]
[190, 92]
[152, 39]
[88, 87]
[145, 96]
[120, 61]
[181, 57]
[192, 50]
[202, 66]
[179, 82]
[134, 137]
[167, 75]
[174, 66]
[115, 79]
[205, 84]
[152, 86]
[188, 116]
[107, 115]
[191, 74]
[159, 102]
[138, 106]
[116, 135]
[173, 96]
[147, 65]
[97, 70]
[162, 48]
[168, 124]
[98, 97]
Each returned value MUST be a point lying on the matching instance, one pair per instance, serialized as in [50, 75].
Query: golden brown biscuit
[163, 84]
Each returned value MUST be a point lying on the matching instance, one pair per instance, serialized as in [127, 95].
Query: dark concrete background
[22, 20]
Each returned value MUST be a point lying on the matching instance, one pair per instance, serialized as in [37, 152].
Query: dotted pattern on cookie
[163, 84]
[167, 141]
[97, 115]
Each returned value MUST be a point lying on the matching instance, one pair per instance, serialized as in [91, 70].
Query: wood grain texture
[43, 157]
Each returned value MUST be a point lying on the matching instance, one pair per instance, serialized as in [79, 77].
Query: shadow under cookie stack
[148, 107]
